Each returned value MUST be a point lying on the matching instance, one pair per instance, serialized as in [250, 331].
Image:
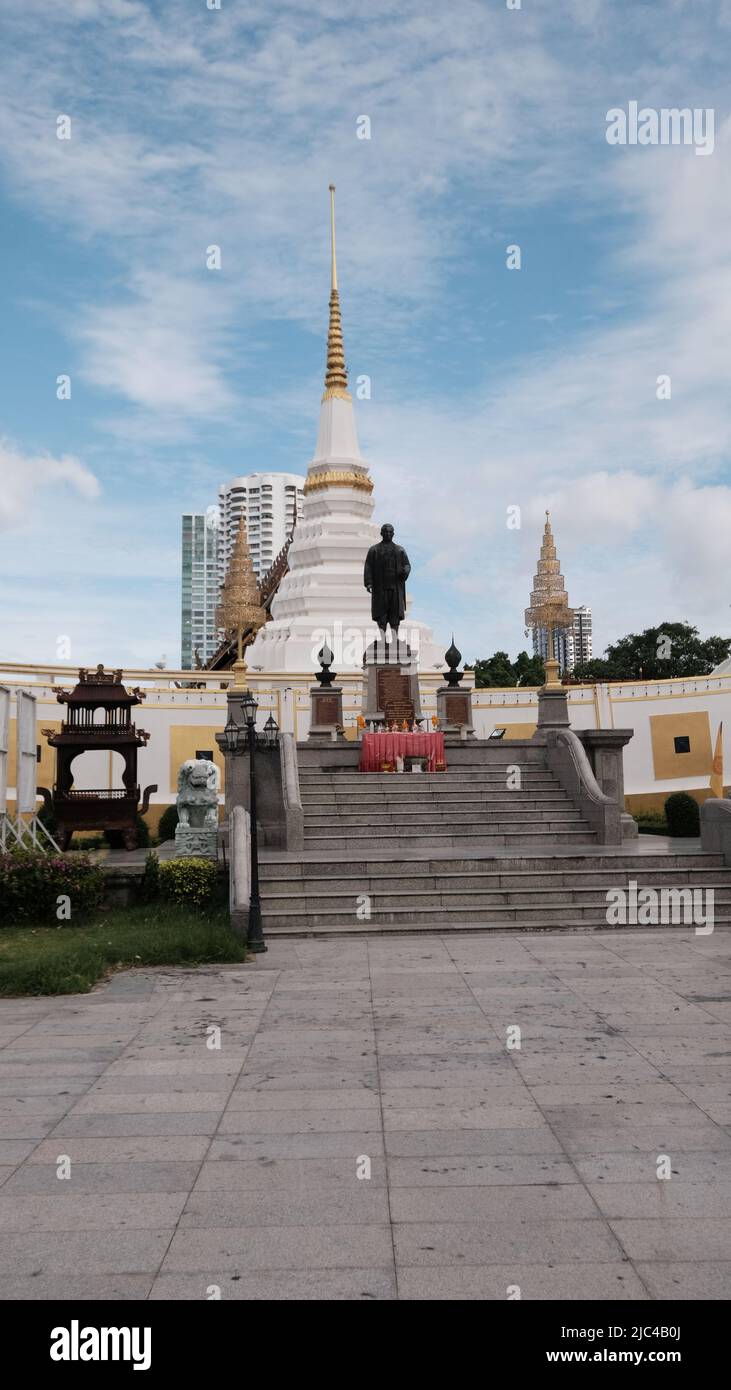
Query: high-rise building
[579, 645]
[268, 503]
[200, 584]
[561, 645]
[571, 647]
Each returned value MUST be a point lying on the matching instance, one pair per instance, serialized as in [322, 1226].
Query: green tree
[494, 670]
[499, 670]
[529, 670]
[658, 653]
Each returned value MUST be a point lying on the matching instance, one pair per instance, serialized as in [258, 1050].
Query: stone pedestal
[326, 712]
[553, 711]
[197, 841]
[391, 683]
[604, 749]
[454, 711]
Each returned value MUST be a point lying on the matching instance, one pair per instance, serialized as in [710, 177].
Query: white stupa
[322, 598]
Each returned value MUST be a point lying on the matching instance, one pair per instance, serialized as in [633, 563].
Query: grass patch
[70, 959]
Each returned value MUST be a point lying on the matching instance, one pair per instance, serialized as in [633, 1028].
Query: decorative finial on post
[333, 260]
[325, 657]
[453, 657]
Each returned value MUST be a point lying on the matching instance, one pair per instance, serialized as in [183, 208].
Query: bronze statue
[386, 570]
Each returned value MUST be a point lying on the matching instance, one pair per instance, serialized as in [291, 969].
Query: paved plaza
[243, 1167]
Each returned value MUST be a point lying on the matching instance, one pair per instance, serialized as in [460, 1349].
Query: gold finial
[336, 374]
[333, 262]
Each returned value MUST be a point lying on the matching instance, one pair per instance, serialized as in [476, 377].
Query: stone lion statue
[197, 800]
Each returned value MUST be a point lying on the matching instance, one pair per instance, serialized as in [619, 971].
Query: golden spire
[336, 375]
[239, 610]
[549, 601]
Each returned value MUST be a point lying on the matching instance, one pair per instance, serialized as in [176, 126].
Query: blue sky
[490, 387]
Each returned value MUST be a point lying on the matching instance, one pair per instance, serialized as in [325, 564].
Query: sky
[491, 388]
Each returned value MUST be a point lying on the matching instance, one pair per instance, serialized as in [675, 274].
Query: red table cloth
[376, 749]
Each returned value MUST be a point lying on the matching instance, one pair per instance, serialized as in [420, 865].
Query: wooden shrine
[99, 718]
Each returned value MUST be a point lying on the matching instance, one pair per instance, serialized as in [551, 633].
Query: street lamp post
[255, 935]
[233, 743]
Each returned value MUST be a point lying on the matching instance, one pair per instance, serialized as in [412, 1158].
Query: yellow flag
[717, 765]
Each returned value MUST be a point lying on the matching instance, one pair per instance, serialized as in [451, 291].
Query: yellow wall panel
[665, 728]
[185, 739]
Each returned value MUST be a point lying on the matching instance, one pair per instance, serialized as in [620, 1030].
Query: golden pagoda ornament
[240, 610]
[549, 602]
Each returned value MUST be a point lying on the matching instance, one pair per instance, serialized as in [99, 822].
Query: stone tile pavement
[196, 1168]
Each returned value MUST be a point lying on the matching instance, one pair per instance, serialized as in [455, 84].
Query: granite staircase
[473, 806]
[389, 853]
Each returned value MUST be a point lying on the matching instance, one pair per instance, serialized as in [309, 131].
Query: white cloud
[26, 479]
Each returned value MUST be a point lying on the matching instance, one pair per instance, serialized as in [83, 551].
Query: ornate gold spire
[336, 374]
[549, 601]
[239, 610]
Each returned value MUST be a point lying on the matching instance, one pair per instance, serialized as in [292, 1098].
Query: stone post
[604, 749]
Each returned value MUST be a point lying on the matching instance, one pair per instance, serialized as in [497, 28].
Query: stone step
[450, 926]
[517, 916]
[456, 758]
[557, 881]
[279, 864]
[430, 797]
[469, 899]
[391, 826]
[454, 839]
[498, 775]
[457, 777]
[317, 819]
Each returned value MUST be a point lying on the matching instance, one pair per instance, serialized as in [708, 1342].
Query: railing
[293, 813]
[239, 850]
[100, 793]
[71, 726]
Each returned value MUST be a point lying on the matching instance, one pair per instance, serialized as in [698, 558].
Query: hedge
[683, 815]
[191, 881]
[31, 883]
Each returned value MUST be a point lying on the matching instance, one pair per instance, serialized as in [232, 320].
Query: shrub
[682, 815]
[190, 881]
[651, 823]
[31, 882]
[150, 887]
[168, 823]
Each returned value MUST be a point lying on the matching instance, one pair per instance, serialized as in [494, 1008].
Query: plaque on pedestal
[326, 711]
[454, 706]
[326, 701]
[392, 683]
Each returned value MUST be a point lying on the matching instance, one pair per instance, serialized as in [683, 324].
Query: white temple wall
[182, 721]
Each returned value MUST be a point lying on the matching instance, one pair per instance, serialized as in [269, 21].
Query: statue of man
[386, 570]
